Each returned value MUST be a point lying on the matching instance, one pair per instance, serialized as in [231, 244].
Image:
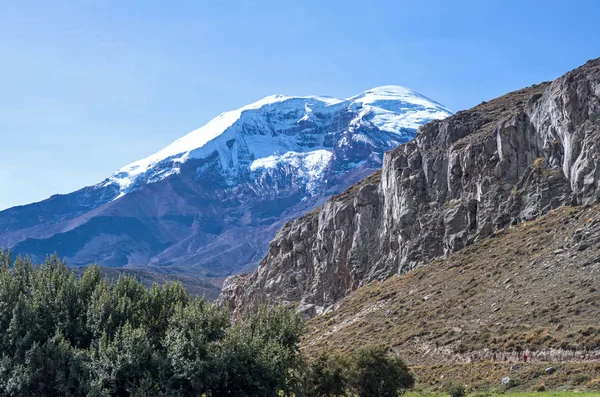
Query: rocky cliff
[463, 178]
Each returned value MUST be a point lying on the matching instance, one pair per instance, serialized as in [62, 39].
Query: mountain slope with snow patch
[209, 203]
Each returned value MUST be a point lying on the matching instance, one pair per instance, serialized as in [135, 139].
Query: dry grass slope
[469, 316]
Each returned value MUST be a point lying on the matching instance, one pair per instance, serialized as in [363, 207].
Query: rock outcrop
[463, 178]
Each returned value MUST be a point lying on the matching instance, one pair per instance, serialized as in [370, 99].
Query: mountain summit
[285, 129]
[209, 203]
[462, 180]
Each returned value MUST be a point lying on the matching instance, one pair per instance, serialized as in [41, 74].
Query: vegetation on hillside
[469, 317]
[73, 336]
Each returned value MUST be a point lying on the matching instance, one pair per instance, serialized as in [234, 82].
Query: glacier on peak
[210, 202]
[271, 129]
[309, 166]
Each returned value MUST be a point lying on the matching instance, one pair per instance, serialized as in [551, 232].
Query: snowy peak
[393, 108]
[210, 202]
[395, 93]
[264, 132]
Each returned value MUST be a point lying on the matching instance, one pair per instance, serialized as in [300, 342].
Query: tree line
[64, 335]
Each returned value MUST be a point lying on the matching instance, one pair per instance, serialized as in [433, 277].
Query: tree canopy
[75, 336]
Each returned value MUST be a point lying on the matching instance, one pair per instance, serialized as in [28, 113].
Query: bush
[540, 388]
[374, 373]
[62, 335]
[456, 390]
[579, 379]
[326, 377]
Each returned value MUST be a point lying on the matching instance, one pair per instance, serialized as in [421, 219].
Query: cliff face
[463, 178]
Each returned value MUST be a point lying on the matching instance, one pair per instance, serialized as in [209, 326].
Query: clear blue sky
[89, 86]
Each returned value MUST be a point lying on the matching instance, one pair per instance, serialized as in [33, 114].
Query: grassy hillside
[468, 317]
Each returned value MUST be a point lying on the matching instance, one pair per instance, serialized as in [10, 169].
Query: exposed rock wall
[463, 178]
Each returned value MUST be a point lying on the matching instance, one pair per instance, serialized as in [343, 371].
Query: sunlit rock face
[462, 179]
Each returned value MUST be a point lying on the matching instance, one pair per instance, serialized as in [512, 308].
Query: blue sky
[89, 86]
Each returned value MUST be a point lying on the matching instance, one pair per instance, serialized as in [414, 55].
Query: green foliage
[69, 336]
[579, 379]
[89, 336]
[326, 377]
[368, 372]
[456, 390]
[374, 373]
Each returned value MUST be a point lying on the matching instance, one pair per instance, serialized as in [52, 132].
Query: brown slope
[534, 287]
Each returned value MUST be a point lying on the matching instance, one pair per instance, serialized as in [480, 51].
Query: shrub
[374, 373]
[325, 377]
[456, 390]
[541, 387]
[579, 379]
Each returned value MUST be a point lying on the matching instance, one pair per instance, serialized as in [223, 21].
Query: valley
[241, 198]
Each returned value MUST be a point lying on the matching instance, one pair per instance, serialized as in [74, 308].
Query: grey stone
[440, 192]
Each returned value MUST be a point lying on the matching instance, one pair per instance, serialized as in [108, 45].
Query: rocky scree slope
[530, 287]
[463, 178]
[468, 317]
[209, 203]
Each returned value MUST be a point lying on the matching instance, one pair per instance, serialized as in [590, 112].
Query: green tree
[195, 331]
[258, 356]
[125, 362]
[90, 336]
[373, 372]
[326, 377]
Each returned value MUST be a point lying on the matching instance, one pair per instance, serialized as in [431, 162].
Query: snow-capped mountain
[210, 202]
[281, 130]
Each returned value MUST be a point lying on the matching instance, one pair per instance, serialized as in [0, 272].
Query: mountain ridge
[193, 145]
[469, 317]
[505, 161]
[207, 204]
